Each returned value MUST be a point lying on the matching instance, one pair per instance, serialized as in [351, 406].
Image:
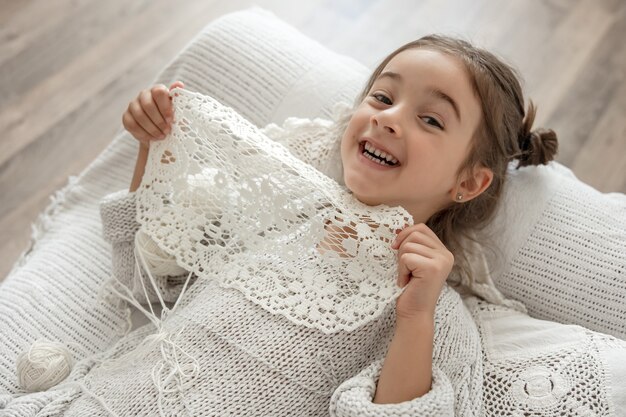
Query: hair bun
[537, 147]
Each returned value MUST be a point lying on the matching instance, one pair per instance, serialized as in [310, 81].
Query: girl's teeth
[379, 153]
[376, 160]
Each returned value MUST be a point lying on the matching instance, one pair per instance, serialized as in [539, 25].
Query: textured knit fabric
[541, 368]
[560, 249]
[52, 291]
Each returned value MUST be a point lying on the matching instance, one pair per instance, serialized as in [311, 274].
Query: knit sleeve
[120, 228]
[354, 397]
[457, 373]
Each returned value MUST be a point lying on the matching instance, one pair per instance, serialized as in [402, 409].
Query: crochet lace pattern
[232, 205]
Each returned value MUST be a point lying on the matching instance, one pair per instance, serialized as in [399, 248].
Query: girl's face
[422, 112]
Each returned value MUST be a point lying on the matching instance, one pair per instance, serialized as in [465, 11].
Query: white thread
[157, 261]
[181, 375]
[327, 365]
[87, 391]
[105, 294]
[43, 365]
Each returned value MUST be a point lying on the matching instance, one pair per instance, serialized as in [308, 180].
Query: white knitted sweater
[252, 362]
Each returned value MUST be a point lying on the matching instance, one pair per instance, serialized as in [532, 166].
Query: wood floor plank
[64, 91]
[52, 50]
[553, 71]
[521, 32]
[18, 33]
[591, 95]
[10, 9]
[607, 143]
[54, 142]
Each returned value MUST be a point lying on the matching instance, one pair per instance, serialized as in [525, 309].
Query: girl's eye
[377, 95]
[432, 121]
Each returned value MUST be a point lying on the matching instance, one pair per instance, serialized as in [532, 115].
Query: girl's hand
[424, 264]
[149, 116]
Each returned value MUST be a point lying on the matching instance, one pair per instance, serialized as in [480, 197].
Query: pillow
[266, 69]
[560, 248]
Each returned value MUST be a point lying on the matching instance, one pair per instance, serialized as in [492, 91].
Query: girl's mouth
[369, 158]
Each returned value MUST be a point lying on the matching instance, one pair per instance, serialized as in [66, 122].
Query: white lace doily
[232, 205]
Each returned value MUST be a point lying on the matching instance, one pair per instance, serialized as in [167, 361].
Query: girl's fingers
[162, 99]
[143, 120]
[407, 264]
[174, 85]
[151, 109]
[417, 248]
[417, 233]
[409, 248]
[177, 84]
[135, 129]
[403, 234]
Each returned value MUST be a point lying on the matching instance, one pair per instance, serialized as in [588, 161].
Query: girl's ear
[473, 185]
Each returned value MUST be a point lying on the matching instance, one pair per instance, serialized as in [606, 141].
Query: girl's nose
[387, 122]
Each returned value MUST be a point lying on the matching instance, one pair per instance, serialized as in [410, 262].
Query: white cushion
[266, 69]
[561, 249]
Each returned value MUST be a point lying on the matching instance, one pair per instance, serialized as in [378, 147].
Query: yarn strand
[166, 344]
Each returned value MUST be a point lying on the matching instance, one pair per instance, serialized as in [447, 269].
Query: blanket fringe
[43, 223]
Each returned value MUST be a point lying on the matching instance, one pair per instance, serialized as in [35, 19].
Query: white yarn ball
[159, 262]
[43, 365]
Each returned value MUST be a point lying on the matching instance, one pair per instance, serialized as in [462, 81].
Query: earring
[459, 196]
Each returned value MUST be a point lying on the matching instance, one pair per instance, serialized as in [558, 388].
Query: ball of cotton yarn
[43, 365]
[159, 262]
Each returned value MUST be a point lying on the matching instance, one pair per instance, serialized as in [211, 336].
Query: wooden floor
[68, 69]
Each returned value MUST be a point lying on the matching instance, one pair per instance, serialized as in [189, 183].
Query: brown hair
[504, 134]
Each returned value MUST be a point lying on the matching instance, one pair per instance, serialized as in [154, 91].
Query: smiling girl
[433, 131]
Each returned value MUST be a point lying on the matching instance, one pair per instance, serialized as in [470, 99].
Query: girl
[433, 132]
